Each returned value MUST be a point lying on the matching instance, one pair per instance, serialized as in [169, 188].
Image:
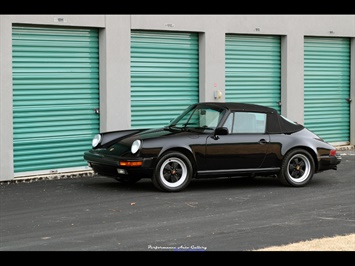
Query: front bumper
[107, 165]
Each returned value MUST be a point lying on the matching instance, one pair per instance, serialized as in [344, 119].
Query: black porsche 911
[213, 139]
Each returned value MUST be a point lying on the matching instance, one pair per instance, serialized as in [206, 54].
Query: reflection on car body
[213, 139]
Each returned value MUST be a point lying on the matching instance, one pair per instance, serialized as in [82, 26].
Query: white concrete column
[115, 79]
[212, 65]
[292, 77]
[6, 128]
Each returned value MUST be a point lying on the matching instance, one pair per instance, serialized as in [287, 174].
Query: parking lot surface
[95, 213]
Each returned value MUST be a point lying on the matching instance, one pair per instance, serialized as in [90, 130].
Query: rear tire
[297, 168]
[173, 172]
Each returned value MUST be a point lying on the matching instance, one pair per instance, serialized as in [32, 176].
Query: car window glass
[182, 120]
[209, 118]
[204, 118]
[246, 122]
[260, 122]
[229, 123]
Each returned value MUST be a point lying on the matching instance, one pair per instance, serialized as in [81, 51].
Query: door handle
[349, 100]
[263, 141]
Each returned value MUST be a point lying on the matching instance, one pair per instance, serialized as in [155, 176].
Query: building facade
[64, 78]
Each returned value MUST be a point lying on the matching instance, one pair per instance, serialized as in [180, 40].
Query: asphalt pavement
[95, 213]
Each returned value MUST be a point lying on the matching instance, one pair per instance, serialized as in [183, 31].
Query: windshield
[198, 118]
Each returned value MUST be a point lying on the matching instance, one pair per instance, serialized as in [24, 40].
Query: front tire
[297, 168]
[173, 172]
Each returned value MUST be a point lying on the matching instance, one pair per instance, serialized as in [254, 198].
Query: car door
[245, 146]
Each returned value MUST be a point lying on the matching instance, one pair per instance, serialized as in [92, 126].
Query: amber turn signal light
[131, 163]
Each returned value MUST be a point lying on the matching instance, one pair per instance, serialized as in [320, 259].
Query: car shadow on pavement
[205, 184]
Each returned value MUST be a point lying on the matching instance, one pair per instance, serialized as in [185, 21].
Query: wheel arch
[188, 153]
[312, 152]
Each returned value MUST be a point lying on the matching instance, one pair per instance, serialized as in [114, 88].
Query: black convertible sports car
[213, 139]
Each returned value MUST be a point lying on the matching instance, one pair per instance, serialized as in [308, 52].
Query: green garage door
[253, 69]
[55, 92]
[164, 76]
[327, 88]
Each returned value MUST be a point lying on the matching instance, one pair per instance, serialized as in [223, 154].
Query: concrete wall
[114, 37]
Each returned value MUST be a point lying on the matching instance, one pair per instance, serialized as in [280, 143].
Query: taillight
[332, 152]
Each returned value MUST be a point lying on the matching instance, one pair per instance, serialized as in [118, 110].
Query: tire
[297, 168]
[173, 172]
[128, 180]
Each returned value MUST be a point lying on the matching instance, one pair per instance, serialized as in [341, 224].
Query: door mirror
[221, 131]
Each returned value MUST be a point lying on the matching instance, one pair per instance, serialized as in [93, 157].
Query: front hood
[122, 146]
[151, 134]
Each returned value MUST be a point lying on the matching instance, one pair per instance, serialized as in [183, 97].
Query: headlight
[136, 145]
[96, 140]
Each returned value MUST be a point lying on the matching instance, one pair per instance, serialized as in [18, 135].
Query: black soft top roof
[235, 106]
[275, 123]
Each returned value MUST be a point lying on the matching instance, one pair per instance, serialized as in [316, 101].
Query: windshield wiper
[172, 127]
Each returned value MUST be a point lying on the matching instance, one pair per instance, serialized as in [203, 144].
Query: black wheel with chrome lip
[297, 168]
[173, 172]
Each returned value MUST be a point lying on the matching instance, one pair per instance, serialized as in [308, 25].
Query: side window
[229, 123]
[260, 122]
[246, 122]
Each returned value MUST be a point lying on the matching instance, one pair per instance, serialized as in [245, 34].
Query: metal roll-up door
[55, 92]
[253, 69]
[164, 76]
[327, 88]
